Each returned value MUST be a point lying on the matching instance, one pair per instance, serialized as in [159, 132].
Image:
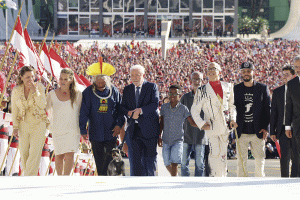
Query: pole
[13, 162]
[8, 44]
[6, 35]
[49, 163]
[12, 66]
[239, 150]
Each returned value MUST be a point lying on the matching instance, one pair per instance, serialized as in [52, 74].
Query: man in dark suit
[252, 101]
[292, 114]
[140, 100]
[277, 128]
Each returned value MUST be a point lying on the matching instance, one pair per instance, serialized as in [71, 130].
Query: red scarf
[216, 85]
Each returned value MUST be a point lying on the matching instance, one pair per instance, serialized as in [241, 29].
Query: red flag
[55, 64]
[85, 80]
[71, 49]
[19, 43]
[58, 63]
[45, 58]
[33, 57]
[22, 60]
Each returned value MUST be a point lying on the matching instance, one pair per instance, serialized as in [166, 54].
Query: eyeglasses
[212, 69]
[173, 94]
[197, 79]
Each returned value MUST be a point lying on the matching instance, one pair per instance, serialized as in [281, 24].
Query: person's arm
[49, 103]
[84, 113]
[231, 105]
[39, 97]
[288, 113]
[274, 117]
[120, 116]
[192, 122]
[15, 110]
[266, 109]
[161, 128]
[196, 109]
[153, 105]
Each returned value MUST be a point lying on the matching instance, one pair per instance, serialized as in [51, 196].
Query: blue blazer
[148, 102]
[261, 107]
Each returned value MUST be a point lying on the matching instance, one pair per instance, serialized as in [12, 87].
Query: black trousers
[142, 154]
[101, 151]
[289, 151]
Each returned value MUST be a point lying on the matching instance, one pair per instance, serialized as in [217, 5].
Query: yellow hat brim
[94, 69]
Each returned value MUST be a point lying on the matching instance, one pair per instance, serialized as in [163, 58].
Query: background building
[78, 17]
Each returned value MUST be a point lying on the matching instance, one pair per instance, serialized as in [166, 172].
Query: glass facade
[126, 17]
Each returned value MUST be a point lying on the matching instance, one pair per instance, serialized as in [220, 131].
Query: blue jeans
[199, 159]
[172, 153]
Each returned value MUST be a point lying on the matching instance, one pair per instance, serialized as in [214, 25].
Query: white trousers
[258, 151]
[217, 157]
[3, 148]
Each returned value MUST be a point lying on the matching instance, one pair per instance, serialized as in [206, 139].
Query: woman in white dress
[63, 106]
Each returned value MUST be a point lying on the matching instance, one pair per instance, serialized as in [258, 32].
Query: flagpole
[44, 40]
[7, 46]
[51, 77]
[41, 48]
[51, 42]
[12, 65]
[6, 35]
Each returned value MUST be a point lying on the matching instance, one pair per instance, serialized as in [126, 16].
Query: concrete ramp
[291, 29]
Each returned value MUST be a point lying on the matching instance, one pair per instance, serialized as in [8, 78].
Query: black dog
[116, 167]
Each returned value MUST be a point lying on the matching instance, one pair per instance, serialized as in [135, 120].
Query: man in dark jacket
[277, 128]
[252, 101]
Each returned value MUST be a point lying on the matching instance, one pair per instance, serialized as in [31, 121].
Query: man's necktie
[137, 95]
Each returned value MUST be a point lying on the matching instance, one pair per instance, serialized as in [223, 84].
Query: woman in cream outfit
[63, 106]
[29, 119]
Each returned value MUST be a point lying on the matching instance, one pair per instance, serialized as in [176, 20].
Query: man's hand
[289, 133]
[125, 148]
[233, 124]
[265, 133]
[136, 113]
[206, 126]
[84, 137]
[130, 113]
[273, 137]
[116, 131]
[159, 142]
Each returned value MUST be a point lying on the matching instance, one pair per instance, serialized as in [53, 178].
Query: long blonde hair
[72, 88]
[22, 72]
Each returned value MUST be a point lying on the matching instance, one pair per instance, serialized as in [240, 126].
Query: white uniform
[3, 140]
[216, 112]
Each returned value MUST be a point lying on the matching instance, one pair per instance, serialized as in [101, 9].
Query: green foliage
[253, 25]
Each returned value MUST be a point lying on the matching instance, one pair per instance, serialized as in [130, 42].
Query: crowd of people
[183, 59]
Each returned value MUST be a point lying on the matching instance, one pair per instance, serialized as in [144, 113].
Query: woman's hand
[16, 133]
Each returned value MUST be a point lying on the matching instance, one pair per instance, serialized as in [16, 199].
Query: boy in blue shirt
[173, 115]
